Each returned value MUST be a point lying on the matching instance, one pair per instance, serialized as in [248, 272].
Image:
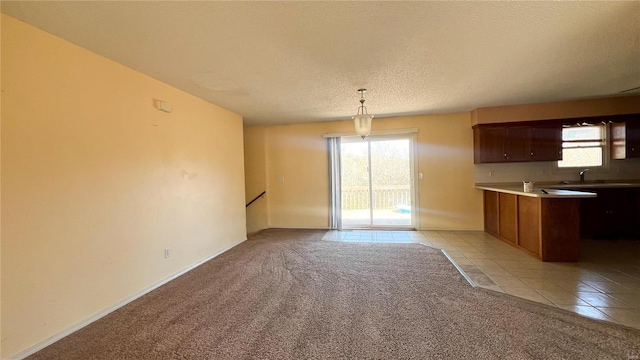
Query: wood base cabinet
[508, 217]
[491, 212]
[529, 224]
[547, 228]
[612, 215]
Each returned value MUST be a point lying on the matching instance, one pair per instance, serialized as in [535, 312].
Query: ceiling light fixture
[362, 119]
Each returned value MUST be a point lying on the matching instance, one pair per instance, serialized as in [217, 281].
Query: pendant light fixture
[362, 119]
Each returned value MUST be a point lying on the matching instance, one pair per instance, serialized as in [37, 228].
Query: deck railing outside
[384, 197]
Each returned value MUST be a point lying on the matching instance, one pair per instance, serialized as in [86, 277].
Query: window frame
[605, 152]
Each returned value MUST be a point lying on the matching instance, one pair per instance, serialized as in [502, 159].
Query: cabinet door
[633, 139]
[620, 209]
[625, 140]
[635, 225]
[491, 212]
[508, 217]
[610, 215]
[618, 140]
[518, 143]
[489, 144]
[546, 144]
[529, 229]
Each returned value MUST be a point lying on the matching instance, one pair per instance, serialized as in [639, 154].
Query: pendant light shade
[363, 124]
[362, 120]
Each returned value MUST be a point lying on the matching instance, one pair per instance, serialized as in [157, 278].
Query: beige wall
[97, 183]
[0, 196]
[298, 154]
[557, 110]
[255, 177]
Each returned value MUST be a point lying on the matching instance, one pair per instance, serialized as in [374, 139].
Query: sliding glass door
[377, 182]
[356, 187]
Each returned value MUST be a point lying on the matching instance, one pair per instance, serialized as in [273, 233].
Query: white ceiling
[289, 62]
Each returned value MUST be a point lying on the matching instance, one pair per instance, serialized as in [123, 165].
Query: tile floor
[604, 284]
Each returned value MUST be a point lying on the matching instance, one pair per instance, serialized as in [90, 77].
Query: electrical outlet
[167, 253]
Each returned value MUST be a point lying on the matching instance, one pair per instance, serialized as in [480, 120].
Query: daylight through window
[582, 146]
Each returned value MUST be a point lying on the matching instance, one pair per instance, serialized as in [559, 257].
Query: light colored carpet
[285, 294]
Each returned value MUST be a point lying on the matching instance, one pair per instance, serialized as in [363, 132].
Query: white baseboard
[457, 229]
[299, 227]
[73, 328]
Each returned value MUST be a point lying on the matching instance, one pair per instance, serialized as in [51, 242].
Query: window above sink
[584, 146]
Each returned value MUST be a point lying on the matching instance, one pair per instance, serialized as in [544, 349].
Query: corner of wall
[474, 117]
[255, 165]
[267, 186]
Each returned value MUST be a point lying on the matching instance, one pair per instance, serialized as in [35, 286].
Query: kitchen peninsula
[545, 224]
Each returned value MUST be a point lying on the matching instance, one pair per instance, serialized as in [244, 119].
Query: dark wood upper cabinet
[517, 143]
[625, 139]
[542, 140]
[547, 143]
[633, 139]
[489, 144]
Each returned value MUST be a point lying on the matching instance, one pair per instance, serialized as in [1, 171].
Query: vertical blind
[335, 192]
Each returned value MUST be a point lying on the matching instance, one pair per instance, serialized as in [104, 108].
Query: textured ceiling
[289, 62]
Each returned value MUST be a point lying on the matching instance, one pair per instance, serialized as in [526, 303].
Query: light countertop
[594, 185]
[537, 191]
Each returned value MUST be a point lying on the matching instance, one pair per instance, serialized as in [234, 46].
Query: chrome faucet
[582, 175]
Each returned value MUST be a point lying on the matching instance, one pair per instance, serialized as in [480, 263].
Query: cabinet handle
[505, 154]
[532, 153]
